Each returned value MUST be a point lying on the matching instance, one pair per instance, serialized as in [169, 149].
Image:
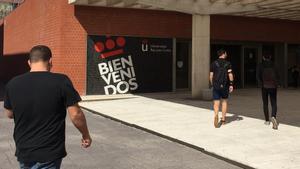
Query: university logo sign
[119, 65]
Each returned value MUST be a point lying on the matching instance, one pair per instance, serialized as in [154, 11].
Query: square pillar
[286, 67]
[200, 56]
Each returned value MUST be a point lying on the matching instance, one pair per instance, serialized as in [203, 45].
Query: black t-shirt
[221, 62]
[38, 101]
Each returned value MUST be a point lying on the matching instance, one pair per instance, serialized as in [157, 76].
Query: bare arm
[231, 79]
[211, 76]
[9, 113]
[231, 76]
[78, 119]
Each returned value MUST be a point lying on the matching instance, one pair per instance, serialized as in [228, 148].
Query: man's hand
[86, 141]
[230, 89]
[231, 80]
[78, 119]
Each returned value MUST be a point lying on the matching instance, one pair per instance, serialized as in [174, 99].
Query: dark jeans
[37, 165]
[272, 93]
[295, 82]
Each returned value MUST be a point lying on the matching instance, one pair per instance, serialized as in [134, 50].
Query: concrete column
[174, 64]
[286, 67]
[200, 55]
[260, 53]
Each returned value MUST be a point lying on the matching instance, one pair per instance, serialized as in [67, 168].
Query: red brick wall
[73, 53]
[51, 23]
[34, 22]
[134, 22]
[254, 29]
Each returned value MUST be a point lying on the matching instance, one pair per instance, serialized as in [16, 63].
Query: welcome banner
[121, 64]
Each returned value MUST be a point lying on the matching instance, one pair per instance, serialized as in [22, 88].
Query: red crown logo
[111, 46]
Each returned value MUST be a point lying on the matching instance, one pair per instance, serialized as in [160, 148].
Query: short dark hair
[221, 52]
[40, 53]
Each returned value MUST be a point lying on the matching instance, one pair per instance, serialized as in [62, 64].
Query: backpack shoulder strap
[217, 64]
[226, 64]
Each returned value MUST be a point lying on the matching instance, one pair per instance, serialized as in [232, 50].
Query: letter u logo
[144, 47]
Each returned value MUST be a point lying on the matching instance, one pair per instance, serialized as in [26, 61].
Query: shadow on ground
[243, 102]
[233, 118]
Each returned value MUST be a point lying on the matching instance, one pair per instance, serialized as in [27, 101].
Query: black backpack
[269, 77]
[220, 77]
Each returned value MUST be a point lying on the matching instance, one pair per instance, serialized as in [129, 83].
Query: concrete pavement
[115, 146]
[244, 139]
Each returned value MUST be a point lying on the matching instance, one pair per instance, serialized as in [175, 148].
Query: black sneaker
[275, 123]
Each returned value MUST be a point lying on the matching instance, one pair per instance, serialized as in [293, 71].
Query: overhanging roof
[277, 9]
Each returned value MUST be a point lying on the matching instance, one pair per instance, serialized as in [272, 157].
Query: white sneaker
[275, 123]
[267, 122]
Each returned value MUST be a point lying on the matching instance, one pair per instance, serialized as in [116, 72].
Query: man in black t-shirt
[221, 79]
[37, 101]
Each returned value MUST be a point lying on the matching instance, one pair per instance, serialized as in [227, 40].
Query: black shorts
[219, 94]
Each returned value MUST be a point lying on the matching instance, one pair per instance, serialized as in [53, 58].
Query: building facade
[106, 49]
